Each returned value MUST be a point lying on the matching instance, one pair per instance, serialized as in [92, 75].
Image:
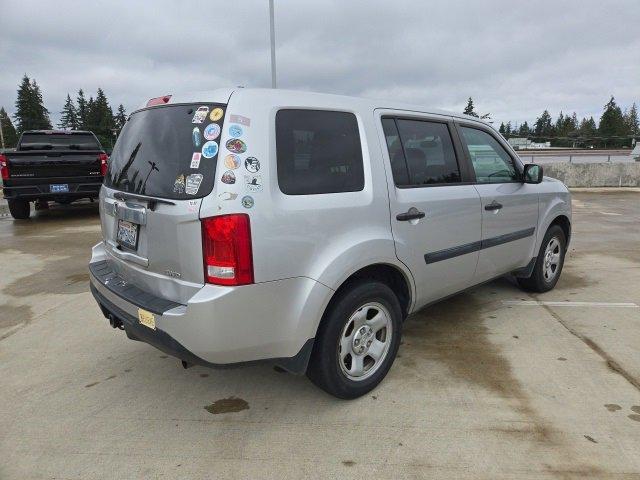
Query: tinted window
[491, 162]
[396, 155]
[59, 141]
[318, 152]
[428, 152]
[162, 152]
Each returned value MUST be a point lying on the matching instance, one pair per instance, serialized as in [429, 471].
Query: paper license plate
[127, 234]
[146, 318]
[59, 188]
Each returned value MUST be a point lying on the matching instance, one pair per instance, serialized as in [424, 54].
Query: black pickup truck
[58, 165]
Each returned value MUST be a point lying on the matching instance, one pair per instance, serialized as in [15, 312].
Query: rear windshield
[59, 141]
[168, 152]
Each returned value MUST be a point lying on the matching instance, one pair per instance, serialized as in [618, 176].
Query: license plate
[59, 188]
[147, 318]
[127, 234]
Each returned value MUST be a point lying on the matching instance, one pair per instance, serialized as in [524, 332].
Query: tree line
[616, 128]
[94, 114]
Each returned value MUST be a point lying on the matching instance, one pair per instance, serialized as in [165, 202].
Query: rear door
[435, 212]
[162, 166]
[509, 206]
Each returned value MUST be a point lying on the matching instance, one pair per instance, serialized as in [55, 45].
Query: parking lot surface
[493, 383]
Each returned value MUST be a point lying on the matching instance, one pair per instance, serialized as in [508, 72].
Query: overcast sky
[514, 58]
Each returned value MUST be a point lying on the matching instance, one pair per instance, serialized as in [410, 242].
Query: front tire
[19, 209]
[357, 340]
[549, 263]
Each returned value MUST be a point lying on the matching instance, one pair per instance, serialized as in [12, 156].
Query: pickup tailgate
[53, 164]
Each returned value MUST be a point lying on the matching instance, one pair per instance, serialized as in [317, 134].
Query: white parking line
[528, 303]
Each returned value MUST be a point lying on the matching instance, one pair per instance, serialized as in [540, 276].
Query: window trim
[457, 151]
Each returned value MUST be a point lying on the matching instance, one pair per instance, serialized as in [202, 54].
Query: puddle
[227, 405]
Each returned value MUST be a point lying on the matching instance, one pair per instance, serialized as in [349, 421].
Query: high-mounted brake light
[4, 167]
[226, 249]
[158, 100]
[103, 158]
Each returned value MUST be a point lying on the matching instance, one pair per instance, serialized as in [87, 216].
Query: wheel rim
[551, 260]
[365, 341]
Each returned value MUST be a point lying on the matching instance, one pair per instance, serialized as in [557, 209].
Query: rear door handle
[412, 214]
[493, 206]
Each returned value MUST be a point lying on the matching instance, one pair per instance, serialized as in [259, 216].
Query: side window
[318, 152]
[490, 160]
[396, 155]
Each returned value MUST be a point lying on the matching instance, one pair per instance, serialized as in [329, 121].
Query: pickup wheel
[19, 209]
[357, 340]
[549, 263]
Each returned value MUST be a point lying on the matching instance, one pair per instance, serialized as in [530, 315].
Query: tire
[366, 316]
[19, 209]
[544, 276]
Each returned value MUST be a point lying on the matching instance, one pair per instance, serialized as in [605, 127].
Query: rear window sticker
[200, 114]
[216, 114]
[247, 201]
[252, 164]
[235, 131]
[232, 161]
[197, 137]
[228, 177]
[236, 145]
[193, 183]
[178, 185]
[210, 149]
[253, 182]
[228, 196]
[211, 131]
[240, 119]
[195, 160]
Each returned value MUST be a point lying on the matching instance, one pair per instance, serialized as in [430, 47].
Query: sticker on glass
[193, 183]
[235, 131]
[195, 159]
[228, 177]
[211, 131]
[209, 149]
[200, 114]
[253, 182]
[178, 185]
[232, 161]
[236, 145]
[197, 137]
[252, 164]
[228, 196]
[247, 201]
[216, 114]
[240, 119]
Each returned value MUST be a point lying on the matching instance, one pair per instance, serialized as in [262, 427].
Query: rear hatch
[161, 167]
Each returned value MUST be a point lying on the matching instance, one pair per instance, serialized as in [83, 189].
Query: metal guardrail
[577, 157]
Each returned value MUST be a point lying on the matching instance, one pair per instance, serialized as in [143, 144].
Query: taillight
[158, 100]
[103, 158]
[226, 248]
[4, 167]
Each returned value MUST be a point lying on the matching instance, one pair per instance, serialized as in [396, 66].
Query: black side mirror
[532, 173]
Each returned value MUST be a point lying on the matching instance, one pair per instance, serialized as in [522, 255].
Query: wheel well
[387, 274]
[564, 223]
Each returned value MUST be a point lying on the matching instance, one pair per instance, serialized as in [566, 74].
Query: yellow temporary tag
[147, 318]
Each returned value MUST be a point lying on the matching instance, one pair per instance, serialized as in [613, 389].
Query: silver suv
[301, 229]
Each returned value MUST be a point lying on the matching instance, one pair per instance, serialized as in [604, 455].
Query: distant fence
[559, 156]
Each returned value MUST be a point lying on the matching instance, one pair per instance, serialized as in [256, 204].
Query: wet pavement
[493, 383]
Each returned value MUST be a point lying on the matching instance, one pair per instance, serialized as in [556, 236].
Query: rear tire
[549, 262]
[19, 209]
[357, 340]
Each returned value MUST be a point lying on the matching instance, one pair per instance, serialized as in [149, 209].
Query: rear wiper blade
[151, 201]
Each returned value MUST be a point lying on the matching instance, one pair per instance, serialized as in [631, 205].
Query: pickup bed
[58, 165]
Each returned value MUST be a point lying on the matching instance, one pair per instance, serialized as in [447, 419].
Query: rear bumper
[42, 191]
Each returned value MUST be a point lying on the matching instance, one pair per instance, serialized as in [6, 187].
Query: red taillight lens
[4, 167]
[158, 100]
[103, 158]
[226, 248]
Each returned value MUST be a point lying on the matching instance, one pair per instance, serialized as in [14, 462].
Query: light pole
[273, 45]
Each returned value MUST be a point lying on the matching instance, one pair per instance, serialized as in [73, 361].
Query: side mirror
[532, 173]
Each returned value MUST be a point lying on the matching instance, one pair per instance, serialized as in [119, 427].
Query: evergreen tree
[120, 118]
[468, 110]
[543, 126]
[524, 130]
[588, 127]
[41, 114]
[100, 118]
[501, 129]
[31, 113]
[560, 124]
[631, 120]
[612, 122]
[8, 131]
[69, 116]
[81, 110]
[507, 129]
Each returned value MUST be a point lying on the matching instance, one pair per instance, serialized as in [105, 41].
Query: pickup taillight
[4, 167]
[226, 249]
[103, 159]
